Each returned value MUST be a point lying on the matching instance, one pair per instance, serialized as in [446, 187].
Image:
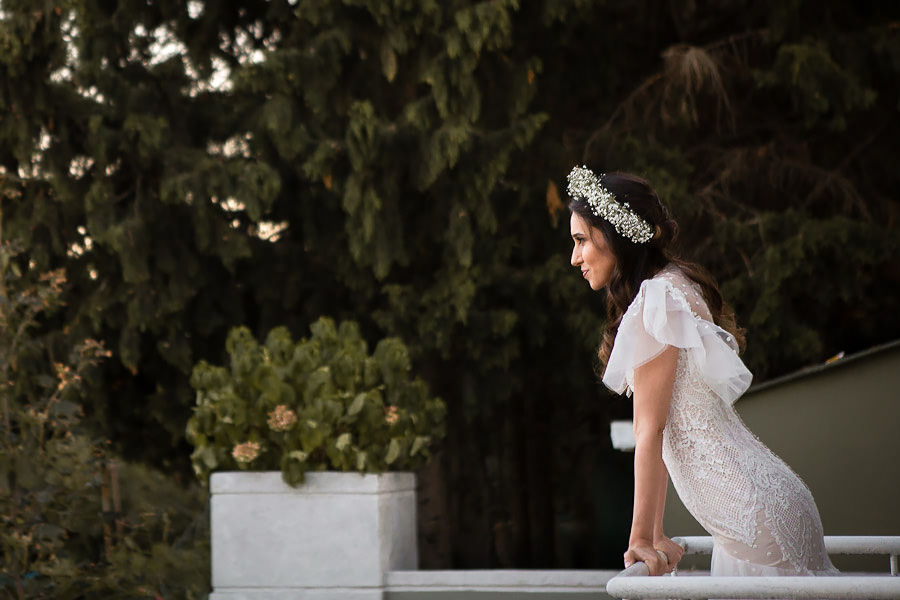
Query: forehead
[578, 225]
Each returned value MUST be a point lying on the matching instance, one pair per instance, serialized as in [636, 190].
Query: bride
[672, 343]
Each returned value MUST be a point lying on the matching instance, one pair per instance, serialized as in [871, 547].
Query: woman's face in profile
[591, 253]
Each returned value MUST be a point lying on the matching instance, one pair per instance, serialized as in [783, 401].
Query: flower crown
[583, 183]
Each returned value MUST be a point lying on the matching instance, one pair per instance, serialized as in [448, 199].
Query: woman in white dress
[673, 344]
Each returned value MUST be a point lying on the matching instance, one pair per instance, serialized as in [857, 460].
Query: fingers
[630, 559]
[673, 551]
[658, 567]
[654, 559]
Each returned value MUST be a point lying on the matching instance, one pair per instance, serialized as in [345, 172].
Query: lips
[584, 273]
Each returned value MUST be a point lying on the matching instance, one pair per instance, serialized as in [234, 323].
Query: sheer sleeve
[669, 310]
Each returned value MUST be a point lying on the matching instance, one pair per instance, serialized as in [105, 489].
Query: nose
[576, 256]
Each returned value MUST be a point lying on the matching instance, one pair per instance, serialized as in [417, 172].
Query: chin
[599, 284]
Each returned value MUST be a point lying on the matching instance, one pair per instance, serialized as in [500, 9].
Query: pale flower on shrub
[246, 452]
[282, 418]
[391, 415]
[337, 406]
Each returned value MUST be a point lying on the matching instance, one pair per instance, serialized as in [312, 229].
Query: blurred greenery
[196, 165]
[75, 522]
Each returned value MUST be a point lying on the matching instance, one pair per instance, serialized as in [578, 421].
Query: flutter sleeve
[667, 312]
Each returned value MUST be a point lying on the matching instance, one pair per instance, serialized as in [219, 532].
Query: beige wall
[839, 429]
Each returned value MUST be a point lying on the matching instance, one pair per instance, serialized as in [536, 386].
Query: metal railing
[635, 583]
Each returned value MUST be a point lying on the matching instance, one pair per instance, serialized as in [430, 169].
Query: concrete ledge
[298, 593]
[498, 581]
[448, 585]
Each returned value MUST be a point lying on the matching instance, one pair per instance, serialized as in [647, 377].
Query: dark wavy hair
[637, 262]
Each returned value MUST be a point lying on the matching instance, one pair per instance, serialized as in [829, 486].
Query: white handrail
[635, 584]
[834, 544]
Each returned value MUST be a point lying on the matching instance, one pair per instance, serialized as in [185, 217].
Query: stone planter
[333, 537]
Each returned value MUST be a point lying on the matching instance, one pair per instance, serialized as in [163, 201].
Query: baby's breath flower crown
[583, 183]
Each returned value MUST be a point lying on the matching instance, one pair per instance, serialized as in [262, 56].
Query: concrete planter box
[333, 537]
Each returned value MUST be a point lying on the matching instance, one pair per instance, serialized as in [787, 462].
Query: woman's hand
[672, 550]
[647, 554]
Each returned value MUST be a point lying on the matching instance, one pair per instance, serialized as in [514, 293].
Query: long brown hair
[637, 262]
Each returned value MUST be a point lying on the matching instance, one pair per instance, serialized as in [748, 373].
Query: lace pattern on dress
[734, 485]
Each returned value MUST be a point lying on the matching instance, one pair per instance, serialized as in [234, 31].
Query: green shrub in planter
[322, 403]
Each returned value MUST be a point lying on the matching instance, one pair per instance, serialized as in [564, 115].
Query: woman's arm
[672, 550]
[653, 383]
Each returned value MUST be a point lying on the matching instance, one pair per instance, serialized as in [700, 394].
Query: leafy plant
[322, 403]
[74, 521]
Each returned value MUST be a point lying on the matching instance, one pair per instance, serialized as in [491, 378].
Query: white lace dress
[760, 513]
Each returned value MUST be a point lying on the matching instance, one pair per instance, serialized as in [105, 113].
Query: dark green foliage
[321, 403]
[785, 127]
[410, 157]
[75, 522]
